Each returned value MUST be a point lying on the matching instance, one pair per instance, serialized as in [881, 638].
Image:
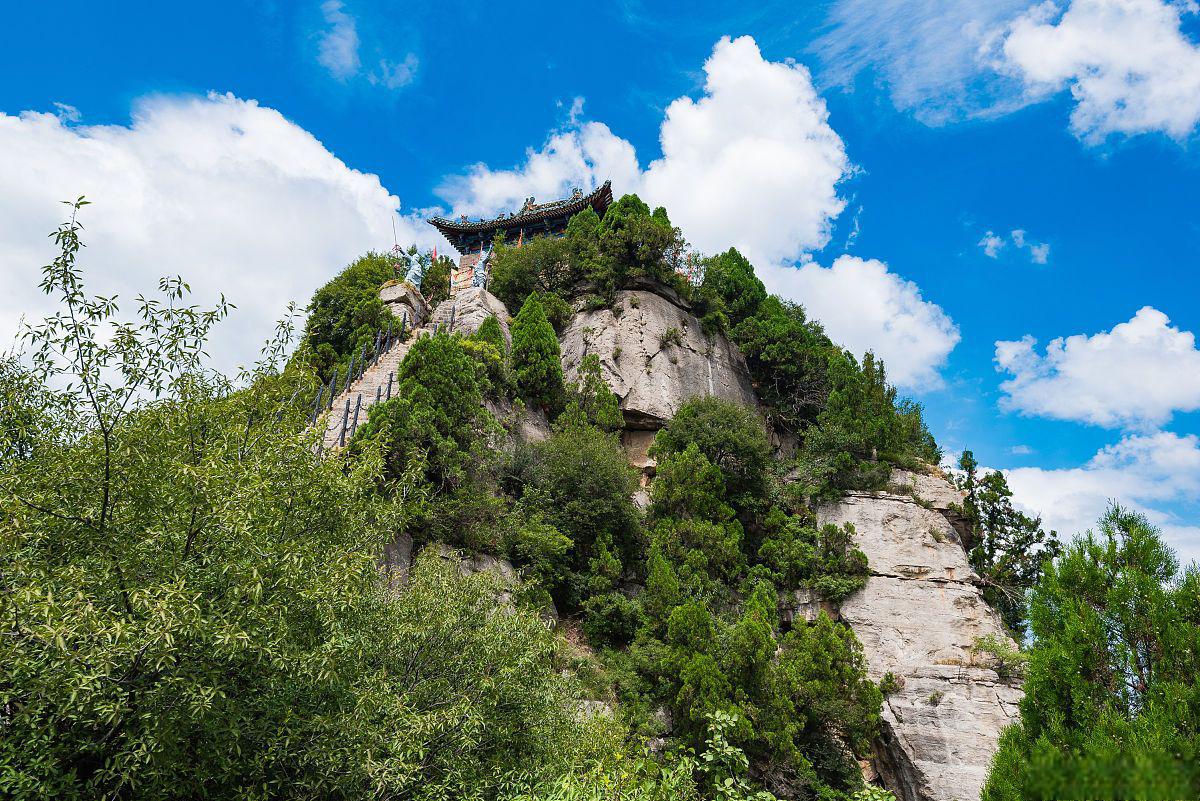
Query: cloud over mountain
[752, 163]
[230, 195]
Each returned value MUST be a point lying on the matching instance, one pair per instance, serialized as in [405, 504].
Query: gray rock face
[937, 492]
[918, 618]
[654, 356]
[470, 307]
[403, 299]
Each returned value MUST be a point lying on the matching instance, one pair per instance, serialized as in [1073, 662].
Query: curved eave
[600, 199]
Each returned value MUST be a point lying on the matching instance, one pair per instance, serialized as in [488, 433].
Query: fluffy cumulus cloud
[1128, 64]
[1136, 375]
[760, 144]
[1157, 474]
[752, 163]
[864, 306]
[230, 195]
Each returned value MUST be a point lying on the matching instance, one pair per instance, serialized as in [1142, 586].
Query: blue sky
[931, 179]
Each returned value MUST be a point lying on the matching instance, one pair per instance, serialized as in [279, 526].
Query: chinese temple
[473, 238]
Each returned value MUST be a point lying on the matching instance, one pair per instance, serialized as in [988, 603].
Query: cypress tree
[535, 356]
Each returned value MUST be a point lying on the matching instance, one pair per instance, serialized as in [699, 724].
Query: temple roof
[532, 217]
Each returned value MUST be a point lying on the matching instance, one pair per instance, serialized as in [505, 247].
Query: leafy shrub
[611, 619]
[730, 436]
[435, 415]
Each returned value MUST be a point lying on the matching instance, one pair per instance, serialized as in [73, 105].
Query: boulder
[468, 309]
[919, 617]
[403, 299]
[654, 356]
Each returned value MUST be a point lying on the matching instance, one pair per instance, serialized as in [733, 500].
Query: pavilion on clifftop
[473, 238]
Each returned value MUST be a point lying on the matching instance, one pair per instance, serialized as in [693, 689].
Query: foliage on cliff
[1007, 547]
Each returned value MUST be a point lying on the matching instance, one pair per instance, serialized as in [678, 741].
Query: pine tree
[1008, 548]
[535, 356]
[1112, 696]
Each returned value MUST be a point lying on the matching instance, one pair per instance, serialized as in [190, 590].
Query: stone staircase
[348, 410]
[464, 313]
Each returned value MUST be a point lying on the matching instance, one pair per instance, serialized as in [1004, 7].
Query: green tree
[1007, 547]
[535, 356]
[788, 356]
[435, 416]
[864, 428]
[491, 333]
[801, 553]
[191, 604]
[694, 525]
[731, 436]
[1112, 697]
[346, 313]
[730, 279]
[542, 264]
[590, 399]
[580, 482]
[435, 284]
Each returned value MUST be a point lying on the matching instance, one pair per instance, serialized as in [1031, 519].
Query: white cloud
[337, 45]
[1020, 450]
[991, 244]
[339, 51]
[1157, 474]
[865, 307]
[754, 164]
[1128, 64]
[395, 76]
[1135, 376]
[583, 155]
[928, 54]
[228, 194]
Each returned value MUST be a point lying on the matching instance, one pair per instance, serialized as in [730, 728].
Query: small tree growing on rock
[535, 356]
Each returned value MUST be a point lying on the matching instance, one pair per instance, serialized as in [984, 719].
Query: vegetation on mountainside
[851, 425]
[346, 313]
[190, 602]
[536, 361]
[1112, 694]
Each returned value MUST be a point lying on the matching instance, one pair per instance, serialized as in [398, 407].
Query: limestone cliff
[918, 618]
[655, 356]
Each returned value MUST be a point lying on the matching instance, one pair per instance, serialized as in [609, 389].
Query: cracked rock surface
[918, 618]
[654, 356]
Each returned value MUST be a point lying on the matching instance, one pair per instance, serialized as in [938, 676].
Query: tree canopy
[1112, 695]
